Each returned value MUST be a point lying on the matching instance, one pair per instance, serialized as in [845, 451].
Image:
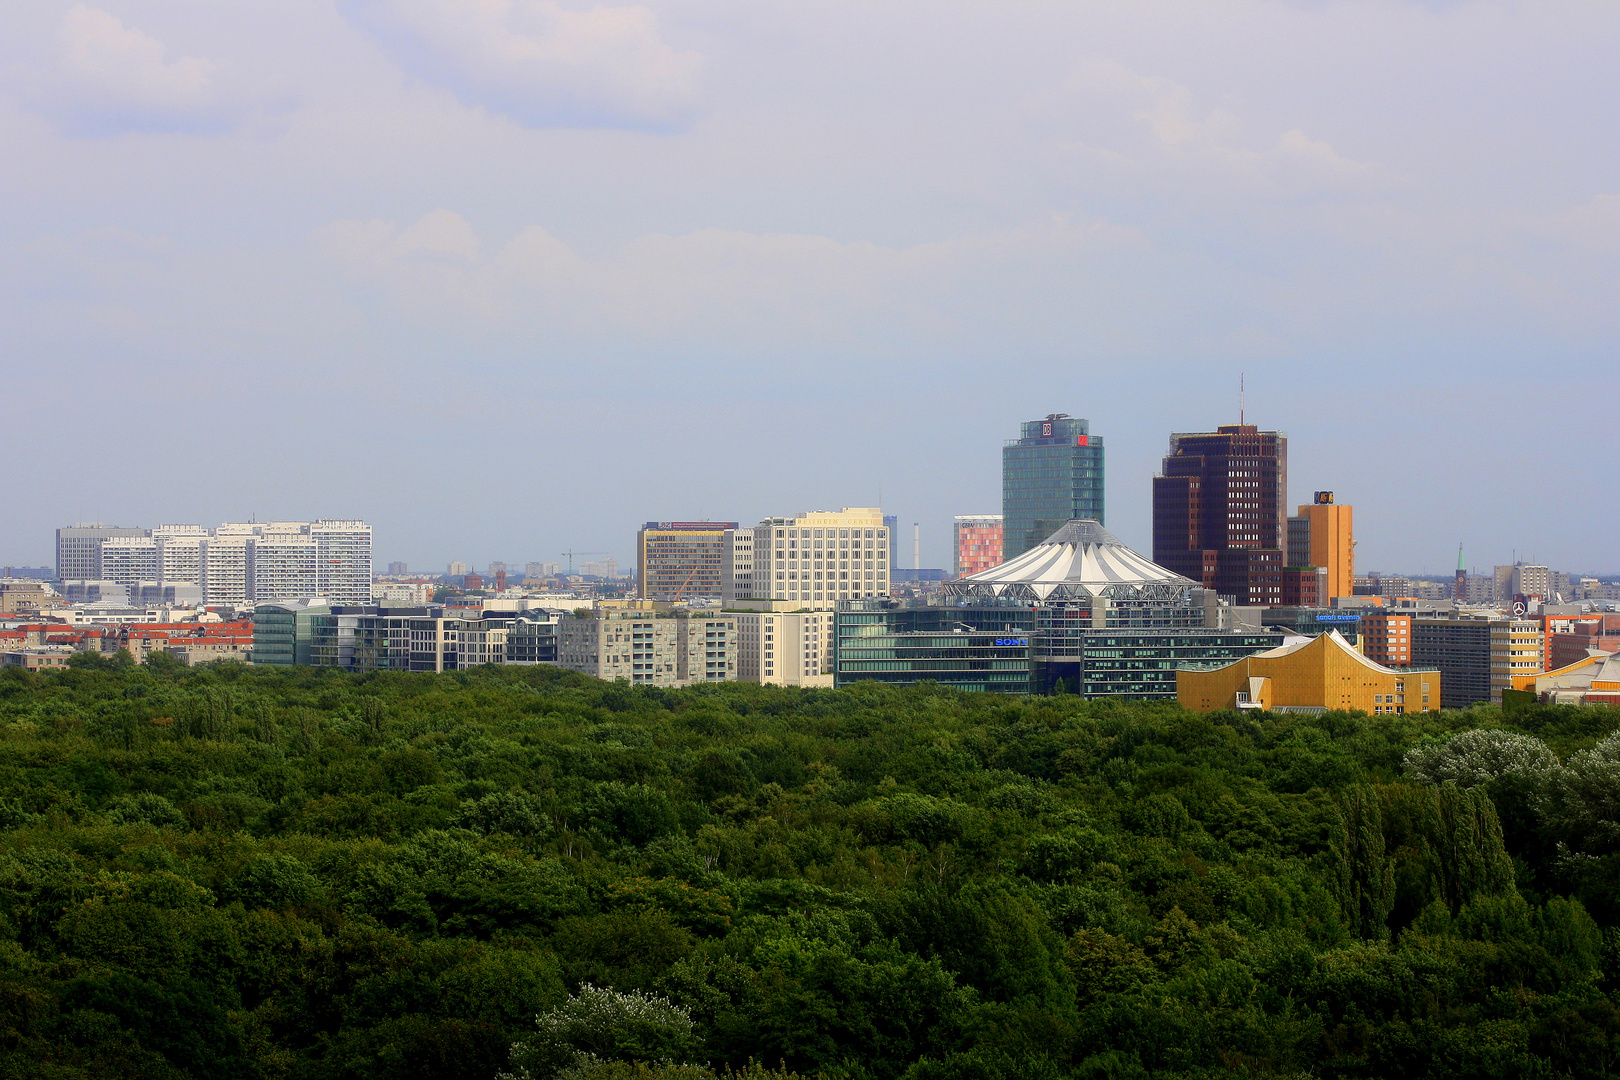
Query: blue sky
[510, 276]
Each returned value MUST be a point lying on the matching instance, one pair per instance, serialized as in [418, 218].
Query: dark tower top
[1220, 509]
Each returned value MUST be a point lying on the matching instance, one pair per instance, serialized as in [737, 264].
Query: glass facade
[1050, 474]
[891, 643]
[1014, 647]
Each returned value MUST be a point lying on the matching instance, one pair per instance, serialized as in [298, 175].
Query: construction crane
[684, 584]
[571, 555]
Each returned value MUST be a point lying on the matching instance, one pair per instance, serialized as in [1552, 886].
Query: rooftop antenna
[1240, 399]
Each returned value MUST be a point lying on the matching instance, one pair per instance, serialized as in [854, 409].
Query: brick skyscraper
[1220, 511]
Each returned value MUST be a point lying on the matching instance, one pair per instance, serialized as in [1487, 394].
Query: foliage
[301, 874]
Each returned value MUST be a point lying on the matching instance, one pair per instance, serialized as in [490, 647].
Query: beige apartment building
[1516, 649]
[812, 560]
[649, 648]
[780, 646]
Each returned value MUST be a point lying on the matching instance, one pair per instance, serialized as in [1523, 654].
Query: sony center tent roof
[1082, 559]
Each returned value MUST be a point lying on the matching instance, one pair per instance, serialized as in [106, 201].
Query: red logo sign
[1081, 441]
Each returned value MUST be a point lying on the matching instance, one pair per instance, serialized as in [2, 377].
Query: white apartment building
[647, 649]
[785, 648]
[234, 563]
[813, 560]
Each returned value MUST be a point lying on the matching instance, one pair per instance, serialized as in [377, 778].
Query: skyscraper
[1050, 474]
[1320, 535]
[1220, 511]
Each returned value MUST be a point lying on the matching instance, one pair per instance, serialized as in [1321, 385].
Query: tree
[598, 1024]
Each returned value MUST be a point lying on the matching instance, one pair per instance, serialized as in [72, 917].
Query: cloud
[111, 78]
[730, 289]
[542, 64]
[1153, 130]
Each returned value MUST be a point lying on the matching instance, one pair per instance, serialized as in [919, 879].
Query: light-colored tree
[1479, 757]
[599, 1025]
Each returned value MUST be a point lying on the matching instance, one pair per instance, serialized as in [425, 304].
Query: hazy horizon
[511, 278]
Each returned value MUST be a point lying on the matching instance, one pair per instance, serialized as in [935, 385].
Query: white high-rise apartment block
[813, 560]
[235, 563]
[127, 560]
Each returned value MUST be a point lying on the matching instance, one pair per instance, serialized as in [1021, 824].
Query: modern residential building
[649, 648]
[813, 559]
[682, 560]
[1220, 511]
[1321, 535]
[234, 563]
[1080, 612]
[978, 543]
[1311, 676]
[1052, 473]
[780, 646]
[1386, 636]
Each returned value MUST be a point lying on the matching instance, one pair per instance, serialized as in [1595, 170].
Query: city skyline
[892, 232]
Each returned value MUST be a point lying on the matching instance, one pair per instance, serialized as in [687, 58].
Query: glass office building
[1080, 613]
[1050, 474]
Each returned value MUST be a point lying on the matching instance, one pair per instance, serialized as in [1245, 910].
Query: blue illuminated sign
[1338, 618]
[1012, 641]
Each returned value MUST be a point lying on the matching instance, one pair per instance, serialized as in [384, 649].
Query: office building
[1310, 676]
[1581, 638]
[1478, 654]
[1528, 583]
[1220, 511]
[78, 549]
[978, 543]
[1051, 474]
[682, 560]
[891, 524]
[1321, 536]
[365, 637]
[649, 648]
[812, 560]
[779, 646]
[1080, 612]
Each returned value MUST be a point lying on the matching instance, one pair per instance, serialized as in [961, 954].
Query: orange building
[1314, 675]
[1321, 535]
[1386, 637]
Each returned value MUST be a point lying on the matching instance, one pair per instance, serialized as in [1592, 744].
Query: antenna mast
[1240, 399]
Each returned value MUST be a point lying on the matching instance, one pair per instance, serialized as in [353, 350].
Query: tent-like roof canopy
[1082, 558]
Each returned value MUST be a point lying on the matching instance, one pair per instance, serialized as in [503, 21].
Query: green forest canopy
[246, 872]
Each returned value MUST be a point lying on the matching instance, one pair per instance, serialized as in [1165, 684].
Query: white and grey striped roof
[1080, 555]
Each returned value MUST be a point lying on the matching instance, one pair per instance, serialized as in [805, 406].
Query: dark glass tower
[1050, 474]
[1220, 511]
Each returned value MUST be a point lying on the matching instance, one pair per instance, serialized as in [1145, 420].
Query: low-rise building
[1310, 675]
[1593, 680]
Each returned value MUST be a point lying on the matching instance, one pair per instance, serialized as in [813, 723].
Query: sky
[510, 277]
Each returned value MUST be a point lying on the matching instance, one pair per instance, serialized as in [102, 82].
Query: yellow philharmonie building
[1314, 675]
